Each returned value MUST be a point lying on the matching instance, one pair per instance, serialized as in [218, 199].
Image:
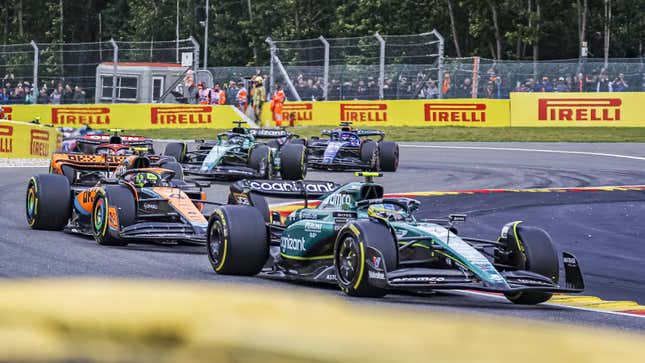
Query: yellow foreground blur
[152, 321]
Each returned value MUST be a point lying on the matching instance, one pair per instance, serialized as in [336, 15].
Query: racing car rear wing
[285, 188]
[358, 132]
[270, 133]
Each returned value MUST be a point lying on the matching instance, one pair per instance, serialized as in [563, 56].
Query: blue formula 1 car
[370, 245]
[346, 148]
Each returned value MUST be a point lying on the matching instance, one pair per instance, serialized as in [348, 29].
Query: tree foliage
[506, 29]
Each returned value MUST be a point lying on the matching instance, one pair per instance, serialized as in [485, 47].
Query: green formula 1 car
[369, 245]
[240, 154]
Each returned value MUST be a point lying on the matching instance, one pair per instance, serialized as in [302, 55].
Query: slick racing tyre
[369, 155]
[120, 200]
[298, 141]
[177, 150]
[237, 242]
[261, 161]
[69, 173]
[293, 163]
[351, 257]
[254, 200]
[530, 249]
[389, 155]
[176, 167]
[48, 202]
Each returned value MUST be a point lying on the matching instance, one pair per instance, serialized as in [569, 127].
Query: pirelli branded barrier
[25, 140]
[623, 109]
[127, 116]
[458, 112]
[522, 110]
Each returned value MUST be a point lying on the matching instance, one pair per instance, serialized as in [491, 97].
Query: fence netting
[369, 67]
[46, 72]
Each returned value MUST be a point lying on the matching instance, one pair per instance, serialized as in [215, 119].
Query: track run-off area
[587, 196]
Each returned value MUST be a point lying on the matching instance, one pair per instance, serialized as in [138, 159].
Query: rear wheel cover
[100, 214]
[348, 260]
[32, 200]
[216, 245]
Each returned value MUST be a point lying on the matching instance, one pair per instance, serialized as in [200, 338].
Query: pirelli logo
[181, 115]
[579, 109]
[455, 112]
[299, 111]
[363, 112]
[6, 139]
[80, 115]
[5, 113]
[39, 143]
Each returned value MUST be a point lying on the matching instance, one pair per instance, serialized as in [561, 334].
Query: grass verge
[519, 134]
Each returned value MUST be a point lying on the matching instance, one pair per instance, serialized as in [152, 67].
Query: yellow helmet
[388, 212]
[259, 79]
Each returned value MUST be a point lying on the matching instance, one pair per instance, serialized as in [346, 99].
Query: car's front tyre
[48, 202]
[531, 249]
[350, 256]
[237, 242]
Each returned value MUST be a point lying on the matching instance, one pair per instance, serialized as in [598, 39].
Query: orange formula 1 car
[102, 154]
[137, 202]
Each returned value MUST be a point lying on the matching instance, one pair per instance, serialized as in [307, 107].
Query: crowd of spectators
[494, 85]
[490, 84]
[14, 92]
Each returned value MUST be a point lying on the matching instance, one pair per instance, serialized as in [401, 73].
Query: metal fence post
[272, 55]
[440, 62]
[326, 68]
[196, 50]
[115, 60]
[206, 37]
[381, 69]
[35, 84]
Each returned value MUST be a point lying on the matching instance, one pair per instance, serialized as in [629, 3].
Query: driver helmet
[145, 180]
[345, 136]
[388, 212]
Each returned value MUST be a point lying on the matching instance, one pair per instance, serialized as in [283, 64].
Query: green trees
[501, 29]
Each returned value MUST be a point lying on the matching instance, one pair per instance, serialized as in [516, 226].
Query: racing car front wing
[224, 172]
[515, 281]
[163, 231]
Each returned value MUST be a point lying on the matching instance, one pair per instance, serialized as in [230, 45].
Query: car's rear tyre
[69, 173]
[274, 144]
[369, 155]
[350, 256]
[48, 202]
[293, 163]
[531, 249]
[260, 160]
[177, 150]
[122, 201]
[237, 242]
[388, 155]
[254, 200]
[298, 141]
[176, 167]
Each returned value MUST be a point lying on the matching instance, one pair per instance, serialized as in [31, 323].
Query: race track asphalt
[605, 230]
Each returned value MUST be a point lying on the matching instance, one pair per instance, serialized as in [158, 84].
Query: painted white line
[571, 152]
[23, 163]
[497, 297]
